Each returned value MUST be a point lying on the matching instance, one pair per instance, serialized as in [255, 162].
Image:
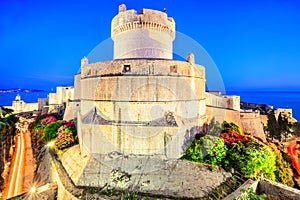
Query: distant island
[20, 90]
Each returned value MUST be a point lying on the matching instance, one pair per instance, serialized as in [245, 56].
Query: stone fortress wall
[73, 105]
[58, 100]
[252, 124]
[62, 95]
[136, 95]
[135, 114]
[216, 99]
[142, 102]
[285, 112]
[53, 103]
[227, 108]
[18, 105]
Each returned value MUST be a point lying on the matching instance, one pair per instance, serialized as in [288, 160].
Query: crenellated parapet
[136, 28]
[169, 28]
[147, 18]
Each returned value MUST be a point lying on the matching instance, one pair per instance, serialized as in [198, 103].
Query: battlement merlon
[147, 19]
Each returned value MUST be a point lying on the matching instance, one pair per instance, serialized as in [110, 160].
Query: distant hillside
[20, 90]
[264, 109]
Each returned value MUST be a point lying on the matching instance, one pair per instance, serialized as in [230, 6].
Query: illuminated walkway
[22, 166]
[15, 181]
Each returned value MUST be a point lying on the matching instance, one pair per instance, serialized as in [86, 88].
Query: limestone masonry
[142, 102]
[148, 34]
[136, 113]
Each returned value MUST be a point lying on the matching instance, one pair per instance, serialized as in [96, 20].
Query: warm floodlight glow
[32, 190]
[50, 144]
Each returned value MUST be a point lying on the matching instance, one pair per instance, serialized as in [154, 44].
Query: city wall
[251, 123]
[62, 95]
[21, 106]
[222, 114]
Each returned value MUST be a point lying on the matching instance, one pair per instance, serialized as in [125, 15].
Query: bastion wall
[251, 124]
[140, 106]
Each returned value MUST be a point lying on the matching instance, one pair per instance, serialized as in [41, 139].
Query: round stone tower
[138, 111]
[142, 102]
[148, 34]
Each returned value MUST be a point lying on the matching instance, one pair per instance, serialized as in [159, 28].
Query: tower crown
[148, 34]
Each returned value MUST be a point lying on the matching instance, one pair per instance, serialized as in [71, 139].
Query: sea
[276, 99]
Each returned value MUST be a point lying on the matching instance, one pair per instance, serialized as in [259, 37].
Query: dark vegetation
[262, 108]
[242, 154]
[49, 130]
[280, 128]
[219, 145]
[7, 132]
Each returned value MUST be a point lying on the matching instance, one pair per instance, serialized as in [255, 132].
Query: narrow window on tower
[126, 68]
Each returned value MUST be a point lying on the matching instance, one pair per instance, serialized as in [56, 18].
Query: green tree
[50, 131]
[273, 126]
[283, 126]
[231, 127]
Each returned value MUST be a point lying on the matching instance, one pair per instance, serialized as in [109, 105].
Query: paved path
[21, 172]
[15, 180]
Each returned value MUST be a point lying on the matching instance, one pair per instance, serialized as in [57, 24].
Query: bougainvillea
[232, 137]
[67, 135]
[64, 140]
[68, 126]
[47, 120]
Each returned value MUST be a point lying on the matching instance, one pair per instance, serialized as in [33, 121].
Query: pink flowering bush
[64, 140]
[47, 120]
[67, 135]
[234, 137]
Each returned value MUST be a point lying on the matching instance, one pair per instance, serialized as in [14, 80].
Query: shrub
[214, 128]
[283, 171]
[50, 131]
[2, 127]
[37, 136]
[11, 119]
[47, 120]
[38, 119]
[249, 194]
[64, 140]
[231, 127]
[232, 137]
[251, 159]
[208, 149]
[67, 135]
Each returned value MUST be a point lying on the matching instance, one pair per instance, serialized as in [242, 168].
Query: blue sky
[255, 44]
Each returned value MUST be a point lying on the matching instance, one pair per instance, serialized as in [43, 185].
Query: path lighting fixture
[32, 190]
[50, 144]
